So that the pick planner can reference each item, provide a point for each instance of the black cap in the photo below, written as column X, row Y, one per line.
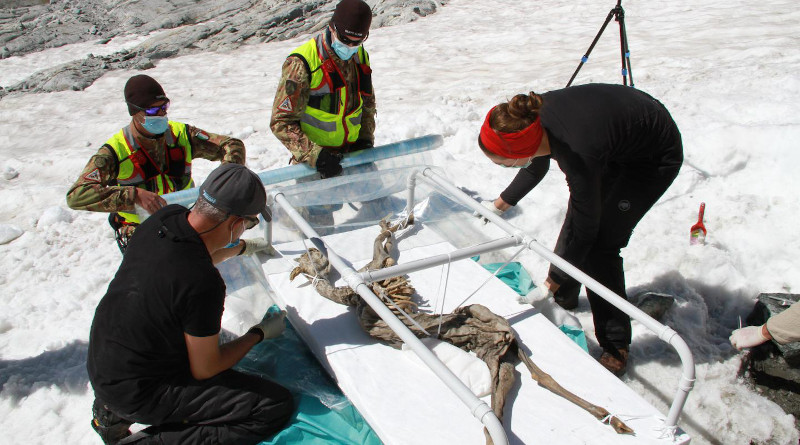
column 142, row 91
column 352, row 18
column 234, row 189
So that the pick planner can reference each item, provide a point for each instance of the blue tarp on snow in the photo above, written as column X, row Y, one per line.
column 323, row 415
column 517, row 278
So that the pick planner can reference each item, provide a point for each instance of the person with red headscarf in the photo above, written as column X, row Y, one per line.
column 620, row 150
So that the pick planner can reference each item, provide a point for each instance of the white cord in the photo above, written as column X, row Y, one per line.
column 492, row 276
column 444, row 295
column 314, row 280
column 310, row 260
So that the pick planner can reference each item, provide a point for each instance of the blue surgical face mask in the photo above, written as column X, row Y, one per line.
column 155, row 124
column 232, row 242
column 343, row 51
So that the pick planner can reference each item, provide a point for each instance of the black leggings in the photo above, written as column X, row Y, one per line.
column 229, row 408
column 629, row 191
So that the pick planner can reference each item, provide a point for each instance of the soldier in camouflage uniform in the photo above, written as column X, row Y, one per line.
column 324, row 106
column 148, row 158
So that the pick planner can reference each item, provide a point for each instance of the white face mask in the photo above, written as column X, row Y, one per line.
column 514, row 165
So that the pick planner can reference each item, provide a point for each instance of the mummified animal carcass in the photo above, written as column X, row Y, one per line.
column 472, row 328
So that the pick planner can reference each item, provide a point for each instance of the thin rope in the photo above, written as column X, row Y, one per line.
column 493, row 275
column 402, row 221
column 444, row 295
column 308, row 252
column 665, row 432
column 314, row 280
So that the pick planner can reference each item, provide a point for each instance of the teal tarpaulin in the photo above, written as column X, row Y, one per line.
column 323, row 415
column 517, row 278
column 514, row 276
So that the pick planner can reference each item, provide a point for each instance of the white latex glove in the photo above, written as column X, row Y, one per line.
column 489, row 204
column 538, row 294
column 256, row 245
column 747, row 337
column 542, row 298
column 557, row 314
column 271, row 326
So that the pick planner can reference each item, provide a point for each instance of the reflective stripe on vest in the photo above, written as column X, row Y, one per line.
column 137, row 169
column 324, row 120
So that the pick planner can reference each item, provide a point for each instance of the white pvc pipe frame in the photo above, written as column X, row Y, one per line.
column 477, row 407
column 665, row 333
column 358, row 282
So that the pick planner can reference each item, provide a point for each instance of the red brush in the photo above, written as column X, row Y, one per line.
column 697, row 234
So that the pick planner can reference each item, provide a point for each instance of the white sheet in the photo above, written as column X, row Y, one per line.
column 407, row 404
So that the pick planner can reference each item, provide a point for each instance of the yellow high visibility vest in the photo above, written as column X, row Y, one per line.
column 137, row 169
column 324, row 120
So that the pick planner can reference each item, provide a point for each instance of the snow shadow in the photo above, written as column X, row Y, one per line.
column 64, row 368
column 703, row 315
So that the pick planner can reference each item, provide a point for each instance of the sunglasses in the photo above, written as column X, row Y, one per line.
column 347, row 40
column 250, row 222
column 152, row 111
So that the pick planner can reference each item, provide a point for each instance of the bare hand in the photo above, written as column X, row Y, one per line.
column 149, row 201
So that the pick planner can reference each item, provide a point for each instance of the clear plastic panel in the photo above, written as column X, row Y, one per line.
column 349, row 203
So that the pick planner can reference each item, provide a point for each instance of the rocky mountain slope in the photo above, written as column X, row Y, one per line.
column 193, row 25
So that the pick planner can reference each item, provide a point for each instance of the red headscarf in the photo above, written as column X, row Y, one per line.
column 521, row 144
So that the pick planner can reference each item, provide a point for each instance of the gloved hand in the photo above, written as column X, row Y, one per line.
column 329, row 164
column 360, row 144
column 271, row 326
column 747, row 337
column 542, row 298
column 538, row 294
column 489, row 204
column 557, row 314
column 255, row 245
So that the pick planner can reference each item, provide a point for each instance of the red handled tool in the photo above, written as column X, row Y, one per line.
column 697, row 234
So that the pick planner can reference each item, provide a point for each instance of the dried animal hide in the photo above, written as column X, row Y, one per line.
column 472, row 328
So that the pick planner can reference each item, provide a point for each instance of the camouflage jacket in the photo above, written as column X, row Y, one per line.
column 96, row 189
column 294, row 86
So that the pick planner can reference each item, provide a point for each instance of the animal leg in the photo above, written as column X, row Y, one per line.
column 545, row 380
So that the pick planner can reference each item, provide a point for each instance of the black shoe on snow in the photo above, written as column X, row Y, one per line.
column 111, row 427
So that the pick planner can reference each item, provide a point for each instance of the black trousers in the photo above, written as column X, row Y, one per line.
column 628, row 192
column 229, row 408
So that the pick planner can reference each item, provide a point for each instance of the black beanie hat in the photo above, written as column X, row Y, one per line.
column 352, row 18
column 234, row 189
column 142, row 91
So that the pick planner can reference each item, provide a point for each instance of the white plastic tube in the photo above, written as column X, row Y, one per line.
column 297, row 171
column 665, row 333
column 477, row 407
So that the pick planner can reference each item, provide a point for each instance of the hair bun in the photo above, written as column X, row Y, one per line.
column 525, row 106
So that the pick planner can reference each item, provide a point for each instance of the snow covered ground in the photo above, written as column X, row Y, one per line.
column 726, row 69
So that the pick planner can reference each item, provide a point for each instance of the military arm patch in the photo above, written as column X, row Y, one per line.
column 286, row 105
column 202, row 135
column 92, row 176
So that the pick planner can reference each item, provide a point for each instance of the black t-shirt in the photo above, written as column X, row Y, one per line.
column 165, row 286
column 591, row 127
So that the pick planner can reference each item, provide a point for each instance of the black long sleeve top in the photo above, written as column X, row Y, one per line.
column 590, row 127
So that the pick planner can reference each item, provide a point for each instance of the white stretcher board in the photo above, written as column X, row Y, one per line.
column 405, row 403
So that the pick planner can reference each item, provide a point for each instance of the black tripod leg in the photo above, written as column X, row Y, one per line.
column 627, row 70
column 585, row 57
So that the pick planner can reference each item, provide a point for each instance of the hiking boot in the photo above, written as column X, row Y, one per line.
column 615, row 361
column 111, row 427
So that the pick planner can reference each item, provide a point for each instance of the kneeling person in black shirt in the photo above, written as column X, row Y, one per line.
column 154, row 351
